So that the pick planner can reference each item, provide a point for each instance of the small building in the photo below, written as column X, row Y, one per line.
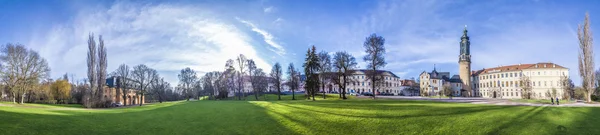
column 113, row 91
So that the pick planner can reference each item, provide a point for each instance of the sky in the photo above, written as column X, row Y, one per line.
column 203, row 34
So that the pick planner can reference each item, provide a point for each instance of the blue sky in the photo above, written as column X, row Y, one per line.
column 171, row 35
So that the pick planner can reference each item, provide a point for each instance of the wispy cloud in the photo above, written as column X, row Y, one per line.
column 165, row 37
column 269, row 9
column 268, row 38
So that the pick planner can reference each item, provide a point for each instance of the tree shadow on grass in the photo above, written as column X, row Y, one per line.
column 182, row 118
column 449, row 112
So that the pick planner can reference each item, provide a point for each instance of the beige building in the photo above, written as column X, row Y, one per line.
column 358, row 83
column 432, row 83
column 505, row 81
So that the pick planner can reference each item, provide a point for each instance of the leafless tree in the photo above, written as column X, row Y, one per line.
column 325, row 68
column 208, row 81
column 142, row 75
column 260, row 82
column 159, row 87
column 89, row 95
column 21, row 69
column 124, row 83
column 187, row 77
column 586, row 57
column 525, row 84
column 293, row 79
column 375, row 58
column 567, row 87
column 344, row 63
column 242, row 64
column 101, row 67
column 276, row 73
column 251, row 69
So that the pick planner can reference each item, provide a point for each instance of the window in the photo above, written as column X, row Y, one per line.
column 545, row 83
column 501, row 75
column 533, row 83
column 538, row 73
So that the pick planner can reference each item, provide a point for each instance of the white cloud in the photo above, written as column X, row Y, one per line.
column 268, row 38
column 269, row 9
column 165, row 37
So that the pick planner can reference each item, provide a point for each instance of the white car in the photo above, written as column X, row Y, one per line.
column 354, row 94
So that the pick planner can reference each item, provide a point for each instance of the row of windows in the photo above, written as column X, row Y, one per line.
column 507, row 75
column 515, row 84
column 386, row 84
column 363, row 77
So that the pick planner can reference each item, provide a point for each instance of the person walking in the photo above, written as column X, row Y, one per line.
column 557, row 101
column 552, row 100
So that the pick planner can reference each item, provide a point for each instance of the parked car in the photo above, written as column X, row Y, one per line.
column 354, row 94
column 367, row 94
column 116, row 104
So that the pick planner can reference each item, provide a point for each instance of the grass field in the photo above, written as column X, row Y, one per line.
column 332, row 116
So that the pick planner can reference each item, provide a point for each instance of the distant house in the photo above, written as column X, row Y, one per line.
column 113, row 91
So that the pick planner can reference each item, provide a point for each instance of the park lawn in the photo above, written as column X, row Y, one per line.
column 333, row 116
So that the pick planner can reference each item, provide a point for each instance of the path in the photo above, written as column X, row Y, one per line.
column 478, row 100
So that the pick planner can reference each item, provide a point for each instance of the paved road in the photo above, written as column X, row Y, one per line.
column 478, row 100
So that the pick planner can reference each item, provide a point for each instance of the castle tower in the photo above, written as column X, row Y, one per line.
column 464, row 63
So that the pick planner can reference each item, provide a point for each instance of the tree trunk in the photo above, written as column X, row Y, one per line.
column 313, row 93
column 278, row 94
column 22, row 98
column 323, row 88
column 256, row 95
column 142, row 98
column 293, row 95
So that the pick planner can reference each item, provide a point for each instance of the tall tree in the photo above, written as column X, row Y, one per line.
column 208, row 81
column 101, row 73
column 187, row 77
column 142, row 75
column 311, row 67
column 124, row 83
column 91, row 73
column 242, row 64
column 251, row 69
column 276, row 74
column 325, row 69
column 375, row 58
column 293, row 79
column 229, row 79
column 586, row 57
column 344, row 64
column 21, row 69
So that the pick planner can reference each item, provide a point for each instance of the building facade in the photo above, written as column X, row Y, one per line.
column 498, row 82
column 507, row 81
column 359, row 83
column 432, row 83
column 113, row 91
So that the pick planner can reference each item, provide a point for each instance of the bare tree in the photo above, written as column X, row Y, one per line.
column 159, row 88
column 123, row 81
column 325, row 69
column 525, row 84
column 276, row 74
column 91, row 73
column 101, row 73
column 567, row 87
column 586, row 57
column 260, row 82
column 187, row 77
column 142, row 75
column 344, row 63
column 229, row 78
column 21, row 69
column 375, row 58
column 252, row 68
column 293, row 79
column 242, row 62
column 447, row 90
column 209, row 83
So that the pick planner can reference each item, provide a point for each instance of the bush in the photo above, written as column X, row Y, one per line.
column 595, row 98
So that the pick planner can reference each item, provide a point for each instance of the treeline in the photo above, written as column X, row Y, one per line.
column 241, row 79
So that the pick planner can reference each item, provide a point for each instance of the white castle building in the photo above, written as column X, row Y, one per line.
column 498, row 82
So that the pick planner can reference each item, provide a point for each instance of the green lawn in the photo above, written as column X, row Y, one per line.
column 541, row 101
column 332, row 116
